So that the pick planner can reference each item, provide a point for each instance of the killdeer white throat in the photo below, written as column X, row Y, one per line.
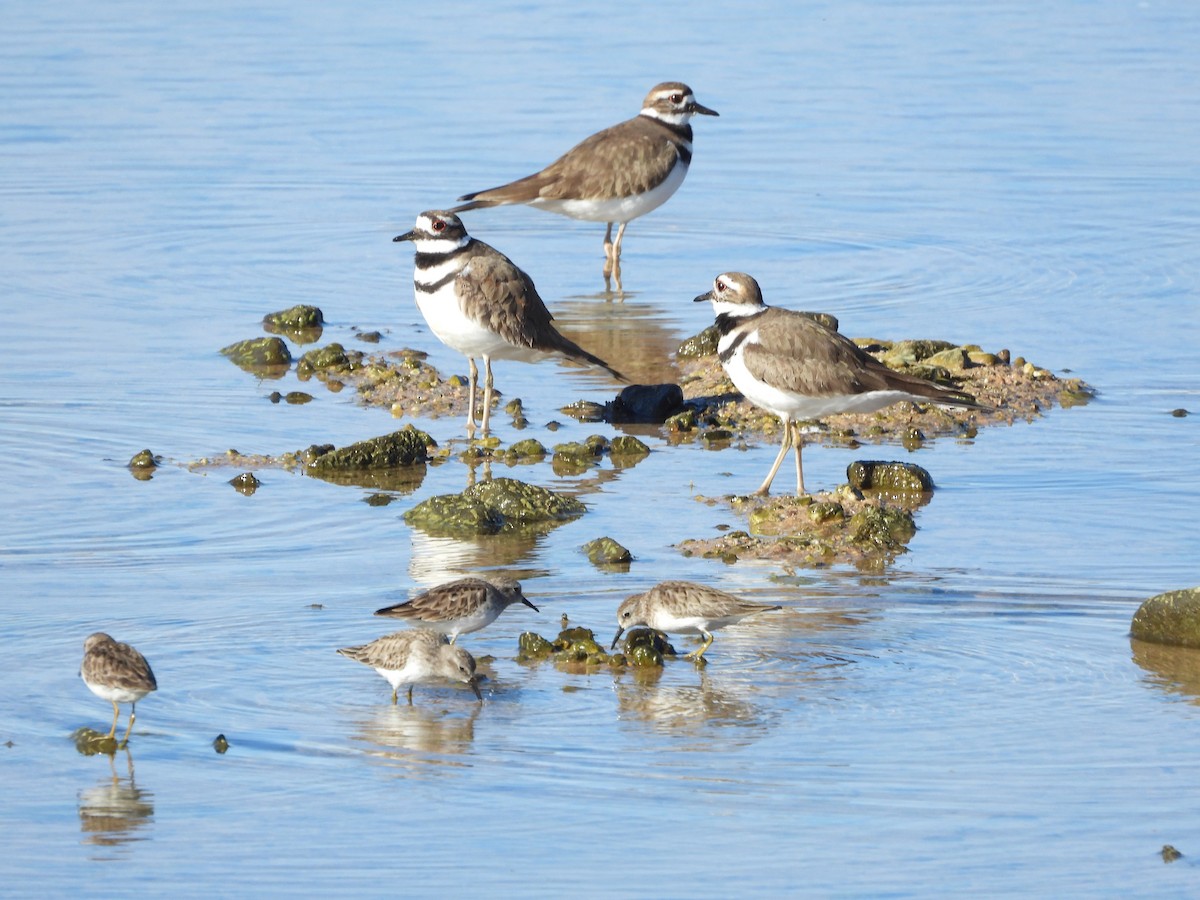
column 617, row 174
column 787, row 363
column 478, row 302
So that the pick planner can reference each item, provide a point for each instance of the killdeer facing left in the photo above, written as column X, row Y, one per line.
column 617, row 174
column 479, row 303
column 791, row 365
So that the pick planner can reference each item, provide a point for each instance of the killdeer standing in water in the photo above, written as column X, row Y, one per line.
column 617, row 174
column 789, row 364
column 479, row 303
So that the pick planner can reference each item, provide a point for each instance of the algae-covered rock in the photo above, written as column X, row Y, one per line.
column 523, row 503
column 531, row 646
column 702, row 344
column 579, row 645
column 330, row 357
column 405, row 447
column 605, row 551
column 144, row 461
column 528, row 449
column 646, row 648
column 268, row 357
column 883, row 528
column 454, row 514
column 302, row 323
column 501, row 504
column 877, row 475
column 627, row 448
column 246, row 483
column 681, row 422
column 1171, row 618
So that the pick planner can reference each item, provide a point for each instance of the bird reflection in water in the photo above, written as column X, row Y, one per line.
column 115, row 812
column 693, row 706
column 419, row 736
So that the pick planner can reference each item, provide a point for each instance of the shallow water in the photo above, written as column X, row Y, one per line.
column 973, row 719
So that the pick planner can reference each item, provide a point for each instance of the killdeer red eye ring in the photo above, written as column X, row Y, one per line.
column 439, row 225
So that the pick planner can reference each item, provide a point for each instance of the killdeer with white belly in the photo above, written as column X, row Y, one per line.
column 617, row 174
column 789, row 364
column 478, row 302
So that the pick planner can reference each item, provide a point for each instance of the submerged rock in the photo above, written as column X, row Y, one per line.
column 267, row 357
column 606, row 552
column 301, row 323
column 405, row 447
column 1171, row 618
column 143, row 461
column 246, row 483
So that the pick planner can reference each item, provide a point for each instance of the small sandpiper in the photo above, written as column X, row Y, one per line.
column 416, row 657
column 685, row 607
column 459, row 607
column 479, row 303
column 790, row 364
column 617, row 174
column 118, row 673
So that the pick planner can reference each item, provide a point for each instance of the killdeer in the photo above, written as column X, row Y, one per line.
column 479, row 303
column 617, row 174
column 684, row 607
column 791, row 365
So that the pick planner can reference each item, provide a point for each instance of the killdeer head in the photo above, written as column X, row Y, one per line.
column 735, row 294
column 673, row 102
column 436, row 231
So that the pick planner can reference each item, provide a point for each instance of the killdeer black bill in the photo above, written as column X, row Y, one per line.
column 617, row 174
column 477, row 301
column 791, row 365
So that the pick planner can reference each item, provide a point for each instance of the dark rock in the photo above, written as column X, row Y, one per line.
column 651, row 403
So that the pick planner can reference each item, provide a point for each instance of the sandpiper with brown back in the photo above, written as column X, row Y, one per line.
column 118, row 673
column 459, row 607
column 685, row 607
